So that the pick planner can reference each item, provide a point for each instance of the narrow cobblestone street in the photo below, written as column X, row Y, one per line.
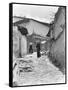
column 44, row 72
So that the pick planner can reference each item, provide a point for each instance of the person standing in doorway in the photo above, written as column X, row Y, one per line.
column 30, row 48
column 38, row 50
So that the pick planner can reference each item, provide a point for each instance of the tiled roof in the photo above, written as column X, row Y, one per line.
column 26, row 20
column 21, row 21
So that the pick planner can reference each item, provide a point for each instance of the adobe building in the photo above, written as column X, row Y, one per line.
column 30, row 31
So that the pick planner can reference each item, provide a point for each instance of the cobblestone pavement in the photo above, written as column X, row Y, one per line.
column 43, row 72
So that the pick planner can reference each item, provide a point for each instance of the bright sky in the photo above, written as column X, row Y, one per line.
column 41, row 13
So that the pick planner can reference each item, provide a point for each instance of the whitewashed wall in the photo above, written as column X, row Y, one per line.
column 15, row 42
column 23, row 45
column 38, row 28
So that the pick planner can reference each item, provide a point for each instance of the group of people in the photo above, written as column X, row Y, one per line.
column 37, row 48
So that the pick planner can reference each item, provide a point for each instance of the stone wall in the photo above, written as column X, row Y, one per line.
column 57, row 52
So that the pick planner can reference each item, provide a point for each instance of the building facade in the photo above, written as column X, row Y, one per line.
column 58, row 32
column 35, row 31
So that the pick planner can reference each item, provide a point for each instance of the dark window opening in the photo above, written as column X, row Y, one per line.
column 23, row 30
